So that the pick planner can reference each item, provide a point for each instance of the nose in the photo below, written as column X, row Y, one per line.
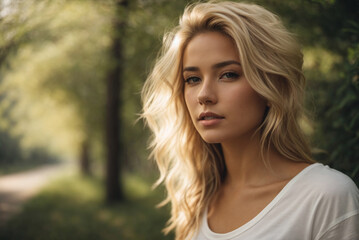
column 207, row 93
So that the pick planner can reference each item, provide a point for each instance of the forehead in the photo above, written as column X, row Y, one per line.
column 209, row 48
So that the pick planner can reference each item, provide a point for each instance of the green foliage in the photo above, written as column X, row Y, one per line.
column 147, row 22
column 337, row 97
column 54, row 58
column 14, row 159
column 341, row 125
column 72, row 208
column 52, row 85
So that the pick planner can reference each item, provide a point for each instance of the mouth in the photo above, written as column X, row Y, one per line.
column 209, row 116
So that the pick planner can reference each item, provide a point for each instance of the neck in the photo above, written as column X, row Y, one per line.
column 244, row 164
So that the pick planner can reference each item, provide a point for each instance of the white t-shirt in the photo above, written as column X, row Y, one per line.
column 319, row 203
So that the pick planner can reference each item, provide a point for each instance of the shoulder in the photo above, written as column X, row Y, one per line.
column 328, row 182
column 332, row 194
column 335, row 200
column 332, row 199
column 328, row 191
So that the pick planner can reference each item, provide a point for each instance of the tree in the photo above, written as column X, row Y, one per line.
column 53, row 63
column 114, row 147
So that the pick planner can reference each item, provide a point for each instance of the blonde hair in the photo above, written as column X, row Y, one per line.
column 192, row 169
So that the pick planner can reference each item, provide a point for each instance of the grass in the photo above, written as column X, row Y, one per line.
column 73, row 208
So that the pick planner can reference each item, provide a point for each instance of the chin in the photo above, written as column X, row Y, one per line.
column 211, row 139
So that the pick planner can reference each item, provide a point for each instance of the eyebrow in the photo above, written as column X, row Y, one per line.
column 215, row 66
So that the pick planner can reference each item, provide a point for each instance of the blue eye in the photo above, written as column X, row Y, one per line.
column 230, row 75
column 192, row 80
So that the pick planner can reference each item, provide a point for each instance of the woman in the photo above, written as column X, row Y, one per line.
column 223, row 102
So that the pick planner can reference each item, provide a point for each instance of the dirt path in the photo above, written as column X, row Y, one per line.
column 15, row 189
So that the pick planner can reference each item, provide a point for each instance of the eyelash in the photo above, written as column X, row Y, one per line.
column 233, row 75
column 188, row 80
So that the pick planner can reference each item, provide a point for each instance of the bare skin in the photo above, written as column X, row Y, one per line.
column 248, row 188
column 215, row 83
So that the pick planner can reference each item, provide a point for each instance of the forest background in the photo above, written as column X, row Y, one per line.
column 71, row 73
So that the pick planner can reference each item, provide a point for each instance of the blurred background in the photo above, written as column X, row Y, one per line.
column 73, row 159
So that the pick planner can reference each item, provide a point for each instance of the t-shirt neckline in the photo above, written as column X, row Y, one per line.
column 225, row 236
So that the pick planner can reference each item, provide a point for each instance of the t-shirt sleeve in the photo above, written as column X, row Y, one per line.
column 346, row 229
column 337, row 215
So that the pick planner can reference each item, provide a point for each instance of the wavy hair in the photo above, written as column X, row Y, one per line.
column 191, row 169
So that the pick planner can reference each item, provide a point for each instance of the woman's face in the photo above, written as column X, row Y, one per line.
column 221, row 103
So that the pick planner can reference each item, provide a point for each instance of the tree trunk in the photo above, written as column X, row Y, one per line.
column 85, row 162
column 114, row 147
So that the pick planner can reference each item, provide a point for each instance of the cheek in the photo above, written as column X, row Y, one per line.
column 249, row 102
column 256, row 106
column 188, row 98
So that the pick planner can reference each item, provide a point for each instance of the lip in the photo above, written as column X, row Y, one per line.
column 204, row 115
column 209, row 118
